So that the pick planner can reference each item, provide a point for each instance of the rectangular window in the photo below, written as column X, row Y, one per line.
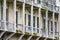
column 55, row 27
column 2, row 10
column 25, row 19
column 51, row 26
column 29, row 10
column 37, row 22
column 43, row 25
column 29, row 20
column 55, row 8
column 33, row 21
column 37, row 30
column 7, row 15
column 48, row 27
column 16, row 18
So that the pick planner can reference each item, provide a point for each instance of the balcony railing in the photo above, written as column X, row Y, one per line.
column 19, row 27
column 2, row 25
column 44, row 33
column 10, row 27
column 37, row 30
column 50, row 7
column 56, row 8
column 51, row 34
column 50, row 1
column 57, row 34
column 34, row 30
column 28, row 29
column 43, row 4
column 29, row 1
column 21, row 0
column 36, row 2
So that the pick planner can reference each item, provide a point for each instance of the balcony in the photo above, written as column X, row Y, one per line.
column 43, row 4
column 28, row 29
column 36, row 3
column 2, row 25
column 39, row 32
column 28, row 1
column 19, row 28
column 56, row 9
column 51, row 34
column 50, row 7
column 10, row 27
column 50, row 1
column 34, row 30
column 57, row 34
column 43, row 33
column 21, row 0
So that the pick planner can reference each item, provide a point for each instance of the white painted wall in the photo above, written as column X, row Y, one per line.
column 11, row 13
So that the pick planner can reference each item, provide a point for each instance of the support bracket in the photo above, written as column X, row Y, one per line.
column 38, row 38
column 29, row 37
column 10, row 36
column 2, row 34
column 20, row 37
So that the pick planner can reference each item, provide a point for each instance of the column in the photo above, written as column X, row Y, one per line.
column 32, row 17
column 36, row 23
column 0, row 9
column 46, row 23
column 53, row 24
column 23, row 17
column 59, row 23
column 14, row 15
column 40, row 21
column 4, row 13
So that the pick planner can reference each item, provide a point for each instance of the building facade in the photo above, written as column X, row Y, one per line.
column 29, row 20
